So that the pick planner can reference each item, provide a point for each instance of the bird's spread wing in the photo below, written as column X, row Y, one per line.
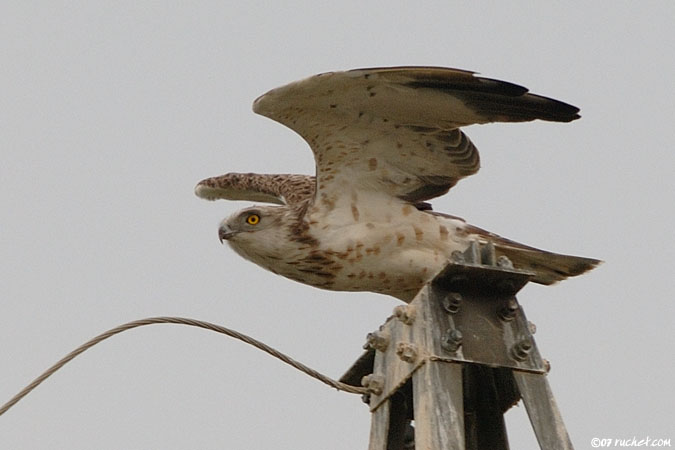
column 278, row 189
column 395, row 130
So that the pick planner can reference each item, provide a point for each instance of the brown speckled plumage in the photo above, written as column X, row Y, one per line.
column 278, row 188
column 384, row 141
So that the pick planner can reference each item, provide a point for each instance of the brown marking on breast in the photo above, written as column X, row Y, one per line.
column 300, row 233
column 443, row 231
column 387, row 239
column 356, row 258
column 327, row 202
column 382, row 275
column 399, row 239
column 418, row 233
column 362, row 274
column 372, row 163
column 355, row 213
column 406, row 210
column 370, row 225
column 317, row 271
column 344, row 255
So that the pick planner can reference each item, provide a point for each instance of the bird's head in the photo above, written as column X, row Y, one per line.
column 254, row 232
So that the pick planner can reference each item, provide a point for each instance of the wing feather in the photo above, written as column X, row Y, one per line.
column 395, row 130
column 281, row 189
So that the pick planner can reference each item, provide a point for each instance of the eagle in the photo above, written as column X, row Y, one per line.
column 385, row 141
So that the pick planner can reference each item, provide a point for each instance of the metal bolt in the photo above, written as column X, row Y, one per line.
column 504, row 262
column 405, row 313
column 379, row 340
column 374, row 383
column 472, row 253
column 452, row 340
column 451, row 302
column 547, row 365
column 521, row 349
column 457, row 257
column 532, row 327
column 488, row 254
column 509, row 311
column 407, row 352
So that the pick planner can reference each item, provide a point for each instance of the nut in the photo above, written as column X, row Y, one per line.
column 406, row 351
column 451, row 302
column 374, row 383
column 405, row 313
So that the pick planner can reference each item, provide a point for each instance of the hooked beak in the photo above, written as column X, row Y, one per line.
column 225, row 233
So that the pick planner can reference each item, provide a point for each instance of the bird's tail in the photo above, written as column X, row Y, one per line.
column 548, row 267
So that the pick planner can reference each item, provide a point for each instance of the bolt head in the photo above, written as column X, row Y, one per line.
column 532, row 327
column 378, row 340
column 458, row 257
column 406, row 351
column 451, row 302
column 522, row 349
column 405, row 313
column 452, row 340
column 504, row 262
column 509, row 311
column 374, row 383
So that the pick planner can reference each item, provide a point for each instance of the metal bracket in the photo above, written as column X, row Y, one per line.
column 455, row 359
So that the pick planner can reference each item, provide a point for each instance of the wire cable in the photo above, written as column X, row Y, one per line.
column 182, row 321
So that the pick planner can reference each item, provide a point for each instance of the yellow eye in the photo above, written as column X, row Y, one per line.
column 253, row 219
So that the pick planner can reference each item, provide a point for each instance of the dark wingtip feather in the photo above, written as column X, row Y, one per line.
column 498, row 100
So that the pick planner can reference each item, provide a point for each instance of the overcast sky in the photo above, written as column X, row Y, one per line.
column 110, row 112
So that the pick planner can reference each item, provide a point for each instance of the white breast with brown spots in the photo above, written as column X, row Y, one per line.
column 383, row 244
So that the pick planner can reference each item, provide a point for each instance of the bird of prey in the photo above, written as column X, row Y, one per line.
column 385, row 140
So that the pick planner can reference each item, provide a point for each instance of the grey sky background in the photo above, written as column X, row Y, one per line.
column 110, row 112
